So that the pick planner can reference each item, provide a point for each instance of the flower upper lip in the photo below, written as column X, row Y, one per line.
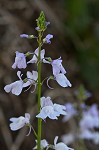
column 20, row 61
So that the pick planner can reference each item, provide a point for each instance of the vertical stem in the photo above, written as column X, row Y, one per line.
column 39, row 92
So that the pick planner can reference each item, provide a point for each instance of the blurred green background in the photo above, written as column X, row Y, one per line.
column 75, row 26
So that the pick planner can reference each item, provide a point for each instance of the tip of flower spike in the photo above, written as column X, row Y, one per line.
column 41, row 22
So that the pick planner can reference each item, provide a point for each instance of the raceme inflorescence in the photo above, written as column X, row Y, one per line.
column 46, row 108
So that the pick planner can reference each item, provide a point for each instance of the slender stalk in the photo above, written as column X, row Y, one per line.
column 39, row 91
column 34, row 131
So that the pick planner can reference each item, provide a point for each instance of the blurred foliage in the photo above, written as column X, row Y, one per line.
column 82, row 20
column 82, row 94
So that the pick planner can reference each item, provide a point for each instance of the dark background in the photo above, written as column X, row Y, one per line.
column 75, row 26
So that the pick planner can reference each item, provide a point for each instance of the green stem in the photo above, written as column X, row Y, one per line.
column 39, row 92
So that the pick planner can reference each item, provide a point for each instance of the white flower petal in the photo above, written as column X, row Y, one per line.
column 35, row 75
column 62, row 146
column 60, row 109
column 47, row 111
column 27, row 118
column 86, row 134
column 57, row 66
column 32, row 75
column 53, row 115
column 56, row 70
column 41, row 115
column 27, row 115
column 17, row 87
column 42, row 54
column 44, row 143
column 46, row 102
column 19, row 74
column 68, row 138
column 62, row 69
column 8, row 87
column 19, row 123
column 14, row 120
column 14, row 66
column 34, row 59
column 15, row 127
column 55, row 140
column 29, row 75
column 62, row 80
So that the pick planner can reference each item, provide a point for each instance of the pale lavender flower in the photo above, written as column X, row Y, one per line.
column 44, row 144
column 86, row 134
column 15, row 87
column 35, row 56
column 58, row 72
column 90, row 135
column 90, row 118
column 20, row 61
column 87, row 122
column 18, row 123
column 68, row 138
column 60, row 145
column 71, row 111
column 93, row 110
column 24, row 35
column 48, row 109
column 47, row 39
